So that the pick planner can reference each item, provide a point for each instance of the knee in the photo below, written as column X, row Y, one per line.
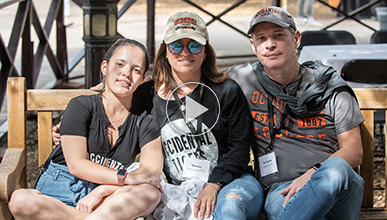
column 150, row 194
column 336, row 172
column 245, row 188
column 143, row 196
column 233, row 195
column 337, row 168
column 22, row 203
column 231, row 203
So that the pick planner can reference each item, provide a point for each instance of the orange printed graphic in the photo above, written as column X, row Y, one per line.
column 311, row 122
column 186, row 20
column 260, row 116
column 261, row 98
column 267, row 10
column 258, row 97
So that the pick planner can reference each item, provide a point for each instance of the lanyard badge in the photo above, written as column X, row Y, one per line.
column 196, row 168
column 268, row 164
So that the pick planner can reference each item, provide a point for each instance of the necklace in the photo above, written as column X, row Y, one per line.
column 190, row 92
column 119, row 119
column 182, row 106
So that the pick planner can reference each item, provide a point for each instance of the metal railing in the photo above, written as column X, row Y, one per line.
column 31, row 62
column 26, row 23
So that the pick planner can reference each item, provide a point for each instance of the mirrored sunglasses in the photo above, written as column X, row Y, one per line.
column 176, row 47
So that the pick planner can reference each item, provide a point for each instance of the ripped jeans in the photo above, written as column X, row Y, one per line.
column 57, row 182
column 249, row 204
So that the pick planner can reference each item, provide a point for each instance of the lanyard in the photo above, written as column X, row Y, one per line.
column 191, row 127
column 274, row 130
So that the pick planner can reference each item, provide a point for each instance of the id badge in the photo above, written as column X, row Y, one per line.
column 196, row 168
column 268, row 164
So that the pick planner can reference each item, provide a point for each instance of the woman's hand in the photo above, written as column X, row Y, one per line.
column 137, row 179
column 89, row 203
column 205, row 203
column 95, row 198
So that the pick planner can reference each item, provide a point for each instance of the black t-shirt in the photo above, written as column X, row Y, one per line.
column 85, row 116
column 226, row 145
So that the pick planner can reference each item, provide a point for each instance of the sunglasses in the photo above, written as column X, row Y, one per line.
column 176, row 47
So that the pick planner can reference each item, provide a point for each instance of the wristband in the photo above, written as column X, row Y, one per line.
column 316, row 166
column 121, row 175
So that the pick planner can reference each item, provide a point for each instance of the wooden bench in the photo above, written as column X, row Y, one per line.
column 369, row 100
column 13, row 173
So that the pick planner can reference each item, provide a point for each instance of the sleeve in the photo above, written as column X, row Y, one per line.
column 76, row 118
column 346, row 111
column 149, row 129
column 234, row 161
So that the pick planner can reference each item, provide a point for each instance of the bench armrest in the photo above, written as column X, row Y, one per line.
column 11, row 168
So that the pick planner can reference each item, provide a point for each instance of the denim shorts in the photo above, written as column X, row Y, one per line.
column 57, row 182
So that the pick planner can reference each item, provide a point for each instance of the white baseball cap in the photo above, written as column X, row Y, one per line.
column 185, row 25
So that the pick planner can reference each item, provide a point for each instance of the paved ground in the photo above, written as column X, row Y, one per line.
column 133, row 25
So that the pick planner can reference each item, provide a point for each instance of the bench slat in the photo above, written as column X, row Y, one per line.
column 45, row 144
column 52, row 100
column 367, row 166
column 372, row 98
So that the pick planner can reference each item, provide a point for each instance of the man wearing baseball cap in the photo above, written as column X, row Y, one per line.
column 306, row 126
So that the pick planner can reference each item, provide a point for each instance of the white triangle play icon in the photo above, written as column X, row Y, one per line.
column 193, row 109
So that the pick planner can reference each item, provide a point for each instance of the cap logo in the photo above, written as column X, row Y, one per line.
column 185, row 23
column 266, row 10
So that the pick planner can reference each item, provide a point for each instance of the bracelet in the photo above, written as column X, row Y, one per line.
column 217, row 187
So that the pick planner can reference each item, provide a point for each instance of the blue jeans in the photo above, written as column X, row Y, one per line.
column 57, row 182
column 335, row 191
column 248, row 207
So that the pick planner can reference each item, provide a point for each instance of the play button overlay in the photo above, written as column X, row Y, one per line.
column 192, row 109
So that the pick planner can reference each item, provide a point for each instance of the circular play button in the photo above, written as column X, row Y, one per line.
column 193, row 110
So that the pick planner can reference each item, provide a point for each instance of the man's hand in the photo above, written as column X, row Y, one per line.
column 205, row 203
column 97, row 88
column 296, row 185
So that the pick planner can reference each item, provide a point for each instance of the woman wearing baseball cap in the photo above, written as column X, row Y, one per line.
column 206, row 128
column 218, row 140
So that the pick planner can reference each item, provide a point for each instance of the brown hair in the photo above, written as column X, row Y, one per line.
column 120, row 43
column 162, row 72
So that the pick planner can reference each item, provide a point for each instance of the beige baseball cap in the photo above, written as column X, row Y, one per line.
column 185, row 25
